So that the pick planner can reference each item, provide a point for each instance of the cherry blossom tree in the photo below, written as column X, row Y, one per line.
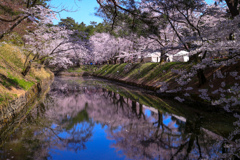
column 198, row 27
column 35, row 11
column 56, row 45
column 107, row 47
column 201, row 29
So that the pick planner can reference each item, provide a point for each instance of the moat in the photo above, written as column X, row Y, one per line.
column 89, row 118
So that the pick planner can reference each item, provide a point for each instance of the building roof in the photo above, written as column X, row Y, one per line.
column 153, row 54
column 182, row 53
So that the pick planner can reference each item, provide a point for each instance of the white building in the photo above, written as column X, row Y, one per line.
column 151, row 57
column 182, row 56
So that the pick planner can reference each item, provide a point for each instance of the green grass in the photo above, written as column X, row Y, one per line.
column 89, row 68
column 163, row 70
column 12, row 83
column 20, row 82
column 126, row 70
column 144, row 72
column 11, row 55
column 1, row 99
column 112, row 69
column 78, row 70
column 4, row 97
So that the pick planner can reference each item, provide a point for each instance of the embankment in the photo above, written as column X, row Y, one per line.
column 76, row 72
column 152, row 76
column 16, row 90
column 72, row 74
column 145, row 75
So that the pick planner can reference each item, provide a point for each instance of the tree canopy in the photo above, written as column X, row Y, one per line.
column 70, row 23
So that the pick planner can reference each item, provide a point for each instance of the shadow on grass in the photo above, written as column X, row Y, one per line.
column 8, row 82
column 143, row 72
column 162, row 69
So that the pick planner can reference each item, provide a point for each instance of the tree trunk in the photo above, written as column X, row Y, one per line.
column 201, row 77
column 140, row 111
column 134, row 107
column 163, row 56
column 233, row 7
column 162, row 59
column 159, row 123
column 121, row 60
column 194, row 58
column 27, row 69
column 121, row 101
column 26, row 59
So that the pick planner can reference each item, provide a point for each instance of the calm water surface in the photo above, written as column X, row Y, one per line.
column 95, row 119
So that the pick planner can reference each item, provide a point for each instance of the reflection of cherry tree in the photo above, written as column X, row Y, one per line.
column 69, row 116
column 148, row 137
column 139, row 132
column 54, row 125
column 65, row 120
column 148, row 140
column 142, row 136
column 57, row 132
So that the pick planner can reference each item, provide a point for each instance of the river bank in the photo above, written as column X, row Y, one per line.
column 16, row 90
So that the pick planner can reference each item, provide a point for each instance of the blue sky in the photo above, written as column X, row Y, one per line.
column 209, row 1
column 85, row 9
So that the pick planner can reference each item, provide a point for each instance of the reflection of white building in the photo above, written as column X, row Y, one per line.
column 151, row 57
column 182, row 56
column 156, row 111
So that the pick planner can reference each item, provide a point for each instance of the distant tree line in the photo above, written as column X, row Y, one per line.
column 94, row 27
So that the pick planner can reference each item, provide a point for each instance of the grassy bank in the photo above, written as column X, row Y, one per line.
column 143, row 74
column 12, row 83
column 153, row 75
column 83, row 70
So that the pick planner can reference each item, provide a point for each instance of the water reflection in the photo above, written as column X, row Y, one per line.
column 94, row 119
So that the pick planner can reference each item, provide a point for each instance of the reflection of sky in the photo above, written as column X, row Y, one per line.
column 98, row 147
column 166, row 118
column 147, row 113
column 53, row 126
